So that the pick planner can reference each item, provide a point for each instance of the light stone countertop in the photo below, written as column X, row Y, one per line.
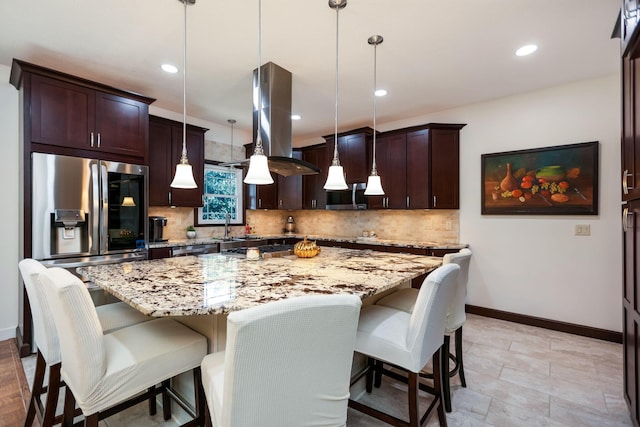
column 216, row 283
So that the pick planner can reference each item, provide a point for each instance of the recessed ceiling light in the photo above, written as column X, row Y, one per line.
column 526, row 50
column 295, row 117
column 169, row 68
column 380, row 92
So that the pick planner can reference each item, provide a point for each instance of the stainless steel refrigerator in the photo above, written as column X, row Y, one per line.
column 87, row 211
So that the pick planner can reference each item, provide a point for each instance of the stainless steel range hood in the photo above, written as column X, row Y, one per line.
column 276, row 122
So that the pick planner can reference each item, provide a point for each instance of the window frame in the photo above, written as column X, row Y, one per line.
column 240, row 219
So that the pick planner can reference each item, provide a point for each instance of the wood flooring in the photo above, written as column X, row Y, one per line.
column 14, row 389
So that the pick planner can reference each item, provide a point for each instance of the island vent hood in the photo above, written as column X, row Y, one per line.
column 276, row 122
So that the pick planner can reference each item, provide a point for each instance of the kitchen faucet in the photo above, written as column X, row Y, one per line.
column 227, row 217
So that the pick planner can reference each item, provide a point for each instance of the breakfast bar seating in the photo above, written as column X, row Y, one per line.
column 111, row 317
column 107, row 373
column 287, row 364
column 405, row 300
column 407, row 341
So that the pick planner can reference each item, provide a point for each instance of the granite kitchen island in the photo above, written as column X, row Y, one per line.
column 200, row 290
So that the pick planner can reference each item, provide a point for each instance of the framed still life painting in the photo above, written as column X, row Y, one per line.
column 559, row 180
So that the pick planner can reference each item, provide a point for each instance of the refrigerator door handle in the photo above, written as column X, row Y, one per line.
column 94, row 216
column 104, row 208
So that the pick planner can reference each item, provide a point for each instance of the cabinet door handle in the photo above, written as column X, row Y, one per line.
column 625, row 181
column 625, row 219
column 435, row 201
column 280, row 202
column 91, row 139
column 169, row 193
column 259, row 203
column 408, row 201
column 98, row 139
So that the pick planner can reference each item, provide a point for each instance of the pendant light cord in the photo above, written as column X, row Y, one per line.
column 183, row 159
column 336, row 160
column 374, row 170
column 258, row 148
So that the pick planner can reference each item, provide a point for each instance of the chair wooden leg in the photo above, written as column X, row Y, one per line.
column 153, row 407
column 438, row 375
column 91, row 420
column 52, row 396
column 414, row 416
column 166, row 400
column 458, row 339
column 444, row 367
column 201, row 402
column 69, row 408
column 377, row 382
column 36, row 389
column 370, row 370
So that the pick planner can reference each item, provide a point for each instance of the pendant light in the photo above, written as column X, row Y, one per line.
column 184, row 172
column 258, row 172
column 374, row 186
column 335, row 177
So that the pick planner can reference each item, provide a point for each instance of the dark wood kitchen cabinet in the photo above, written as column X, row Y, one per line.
column 353, row 152
column 630, row 191
column 290, row 188
column 419, row 167
column 81, row 117
column 391, row 163
column 630, row 306
column 165, row 151
column 313, row 194
column 433, row 167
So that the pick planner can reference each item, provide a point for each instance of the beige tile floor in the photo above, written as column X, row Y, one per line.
column 516, row 375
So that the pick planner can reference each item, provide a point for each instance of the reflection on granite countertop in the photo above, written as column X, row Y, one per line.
column 361, row 240
column 216, row 283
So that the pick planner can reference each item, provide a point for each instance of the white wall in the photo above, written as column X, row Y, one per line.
column 535, row 265
column 9, row 212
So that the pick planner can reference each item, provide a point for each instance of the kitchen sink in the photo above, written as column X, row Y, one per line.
column 240, row 242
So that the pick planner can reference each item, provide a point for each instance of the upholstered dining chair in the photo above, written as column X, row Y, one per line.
column 106, row 373
column 407, row 341
column 404, row 299
column 286, row 364
column 111, row 316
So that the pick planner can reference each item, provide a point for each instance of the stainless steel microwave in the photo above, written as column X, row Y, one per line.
column 350, row 199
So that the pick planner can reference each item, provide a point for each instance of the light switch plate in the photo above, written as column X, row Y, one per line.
column 583, row 230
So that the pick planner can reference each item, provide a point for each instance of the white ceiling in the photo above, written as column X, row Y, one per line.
column 437, row 54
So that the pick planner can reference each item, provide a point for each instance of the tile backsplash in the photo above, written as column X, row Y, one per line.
column 441, row 226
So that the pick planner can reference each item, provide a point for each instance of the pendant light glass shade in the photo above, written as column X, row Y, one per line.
column 335, row 177
column 184, row 177
column 374, row 185
column 184, row 172
column 258, row 172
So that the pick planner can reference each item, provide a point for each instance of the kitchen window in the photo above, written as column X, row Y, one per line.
column 222, row 195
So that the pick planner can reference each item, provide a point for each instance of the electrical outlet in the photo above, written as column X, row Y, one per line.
column 583, row 230
column 448, row 225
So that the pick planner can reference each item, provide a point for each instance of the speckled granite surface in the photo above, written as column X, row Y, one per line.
column 363, row 240
column 215, row 283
